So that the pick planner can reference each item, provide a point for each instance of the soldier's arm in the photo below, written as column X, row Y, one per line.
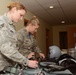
column 35, row 47
column 19, row 38
column 8, row 47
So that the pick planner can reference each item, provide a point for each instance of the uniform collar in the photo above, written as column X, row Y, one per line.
column 28, row 33
column 8, row 20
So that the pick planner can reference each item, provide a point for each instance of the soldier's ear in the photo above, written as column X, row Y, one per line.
column 30, row 24
column 14, row 9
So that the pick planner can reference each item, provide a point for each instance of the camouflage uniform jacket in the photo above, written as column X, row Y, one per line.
column 8, row 42
column 27, row 42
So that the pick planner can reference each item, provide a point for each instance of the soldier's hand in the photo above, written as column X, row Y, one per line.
column 32, row 63
column 31, row 54
column 41, row 55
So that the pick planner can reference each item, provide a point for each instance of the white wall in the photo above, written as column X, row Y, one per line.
column 3, row 6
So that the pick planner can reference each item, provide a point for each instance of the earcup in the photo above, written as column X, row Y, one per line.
column 67, row 61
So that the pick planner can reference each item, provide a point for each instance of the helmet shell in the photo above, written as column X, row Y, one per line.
column 54, row 51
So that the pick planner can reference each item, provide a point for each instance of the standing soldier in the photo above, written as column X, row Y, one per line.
column 8, row 42
column 27, row 42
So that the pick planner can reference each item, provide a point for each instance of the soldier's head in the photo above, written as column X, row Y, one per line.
column 33, row 25
column 16, row 11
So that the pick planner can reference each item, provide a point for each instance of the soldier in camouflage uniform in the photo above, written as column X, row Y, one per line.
column 8, row 42
column 27, row 42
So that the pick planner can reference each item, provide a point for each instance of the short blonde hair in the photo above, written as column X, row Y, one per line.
column 17, row 5
column 34, row 21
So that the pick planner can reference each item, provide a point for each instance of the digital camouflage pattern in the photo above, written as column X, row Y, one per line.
column 8, row 44
column 27, row 42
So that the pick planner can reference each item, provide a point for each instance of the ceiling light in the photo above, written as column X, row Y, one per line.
column 51, row 7
column 62, row 21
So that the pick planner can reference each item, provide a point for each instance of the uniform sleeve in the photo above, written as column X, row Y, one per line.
column 36, row 48
column 20, row 39
column 24, row 51
column 8, row 47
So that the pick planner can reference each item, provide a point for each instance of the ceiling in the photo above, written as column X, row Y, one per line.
column 64, row 10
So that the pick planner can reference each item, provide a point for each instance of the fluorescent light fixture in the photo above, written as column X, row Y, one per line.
column 51, row 7
column 62, row 21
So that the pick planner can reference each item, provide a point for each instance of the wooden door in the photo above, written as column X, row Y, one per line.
column 47, row 41
column 71, row 37
column 63, row 40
